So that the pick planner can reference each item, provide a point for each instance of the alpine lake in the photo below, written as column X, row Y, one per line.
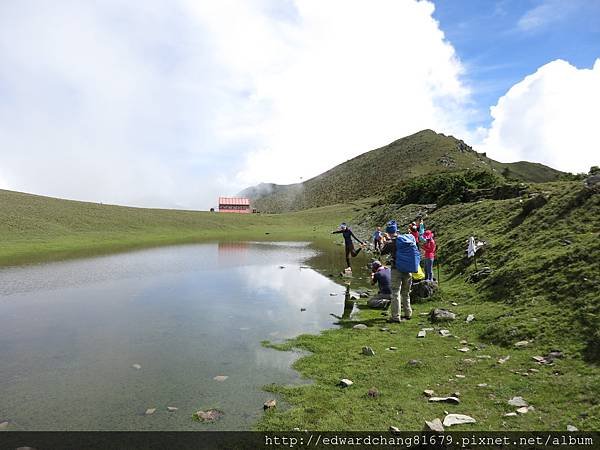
column 98, row 343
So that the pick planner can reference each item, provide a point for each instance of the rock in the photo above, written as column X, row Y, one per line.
column 269, row 404
column 354, row 296
column 523, row 410
column 392, row 348
column 457, row 419
column 302, row 309
column 453, row 400
column 518, row 402
column 554, row 354
column 522, row 344
column 469, row 361
column 368, row 351
column 220, row 378
column 333, row 294
column 475, row 277
column 373, row 392
column 455, row 394
column 428, row 393
column 150, row 411
column 414, row 362
column 533, row 370
column 539, row 359
column 454, row 304
column 344, row 382
column 360, row 326
column 592, row 182
column 483, row 357
column 384, row 329
column 435, row 425
column 482, row 385
column 463, row 342
column 441, row 315
column 4, row 425
column 464, row 349
column 445, row 333
column 172, row 408
column 136, row 366
column 511, row 414
column 421, row 334
column 211, row 415
column 571, row 428
column 394, row 430
column 470, row 318
column 428, row 329
column 503, row 360
column 364, row 295
column 459, row 376
column 423, row 289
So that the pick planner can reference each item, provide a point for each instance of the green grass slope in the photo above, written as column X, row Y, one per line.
column 425, row 152
column 36, row 228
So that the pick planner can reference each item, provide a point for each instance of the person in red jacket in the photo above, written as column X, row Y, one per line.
column 429, row 249
column 414, row 230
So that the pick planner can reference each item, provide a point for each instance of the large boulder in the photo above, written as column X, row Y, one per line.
column 423, row 289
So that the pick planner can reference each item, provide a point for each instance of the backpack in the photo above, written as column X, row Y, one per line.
column 407, row 254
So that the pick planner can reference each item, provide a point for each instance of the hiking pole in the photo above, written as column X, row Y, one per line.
column 438, row 271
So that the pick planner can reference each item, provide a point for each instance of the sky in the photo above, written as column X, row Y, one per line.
column 171, row 103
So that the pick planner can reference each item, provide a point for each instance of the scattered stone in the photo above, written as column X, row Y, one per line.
column 470, row 318
column 360, row 326
column 269, row 404
column 482, row 385
column 571, row 428
column 4, row 425
column 428, row 329
column 373, row 392
column 435, row 425
column 533, row 370
column 456, row 394
column 392, row 348
column 302, row 309
column 445, row 333
column 503, row 360
column 368, row 351
column 457, row 419
column 469, row 361
column 483, row 357
column 172, row 408
column 459, row 376
column 364, row 295
column 523, row 410
column 422, row 334
column 453, row 400
column 136, row 366
column 212, row 415
column 511, row 414
column 522, row 344
column 518, row 402
column 220, row 378
column 441, row 315
column 150, row 411
column 555, row 354
column 344, row 382
column 394, row 430
column 428, row 392
column 464, row 349
column 354, row 296
column 463, row 342
column 384, row 329
column 295, row 429
column 454, row 304
column 414, row 362
column 540, row 359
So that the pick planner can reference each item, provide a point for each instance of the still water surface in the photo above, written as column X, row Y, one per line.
column 71, row 331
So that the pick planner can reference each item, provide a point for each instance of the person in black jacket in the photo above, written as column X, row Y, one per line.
column 349, row 245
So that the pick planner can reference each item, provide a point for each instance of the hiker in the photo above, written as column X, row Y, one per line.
column 421, row 227
column 383, row 277
column 377, row 239
column 429, row 249
column 349, row 245
column 405, row 261
column 413, row 229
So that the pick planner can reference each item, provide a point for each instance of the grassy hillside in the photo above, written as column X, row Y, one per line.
column 366, row 175
column 35, row 228
column 543, row 288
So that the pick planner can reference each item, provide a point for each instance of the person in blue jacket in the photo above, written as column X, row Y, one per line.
column 348, row 244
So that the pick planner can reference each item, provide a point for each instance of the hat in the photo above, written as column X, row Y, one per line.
column 391, row 227
column 428, row 234
column 375, row 265
column 343, row 225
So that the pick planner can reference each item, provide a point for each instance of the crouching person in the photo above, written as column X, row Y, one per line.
column 383, row 277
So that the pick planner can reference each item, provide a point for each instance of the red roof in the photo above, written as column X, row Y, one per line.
column 234, row 201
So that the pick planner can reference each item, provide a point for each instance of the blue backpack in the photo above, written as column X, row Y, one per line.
column 407, row 254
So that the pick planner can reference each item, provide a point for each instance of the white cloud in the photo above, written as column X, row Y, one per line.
column 163, row 103
column 548, row 12
column 551, row 117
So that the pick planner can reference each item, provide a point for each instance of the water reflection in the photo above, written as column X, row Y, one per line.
column 71, row 331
